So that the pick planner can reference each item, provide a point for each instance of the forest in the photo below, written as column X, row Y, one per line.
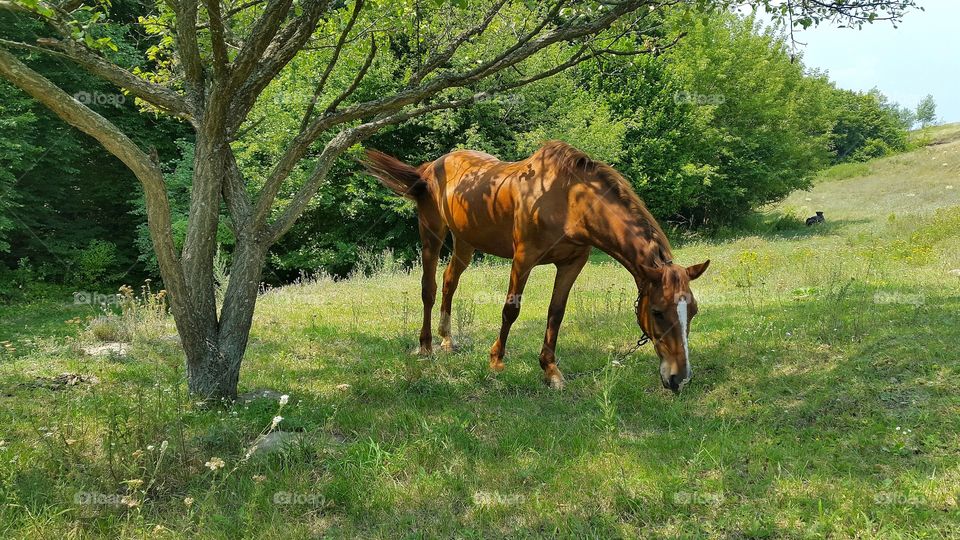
column 722, row 118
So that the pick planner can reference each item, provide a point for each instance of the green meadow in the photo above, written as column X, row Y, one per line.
column 825, row 400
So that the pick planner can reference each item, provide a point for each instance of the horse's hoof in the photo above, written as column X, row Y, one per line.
column 448, row 346
column 554, row 379
column 497, row 365
column 422, row 351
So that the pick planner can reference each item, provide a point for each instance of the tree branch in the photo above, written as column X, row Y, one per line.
column 287, row 43
column 451, row 49
column 93, row 62
column 159, row 96
column 263, row 31
column 357, row 6
column 356, row 80
column 117, row 143
column 189, row 49
column 217, row 40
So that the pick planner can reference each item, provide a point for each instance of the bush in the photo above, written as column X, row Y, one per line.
column 95, row 262
column 107, row 328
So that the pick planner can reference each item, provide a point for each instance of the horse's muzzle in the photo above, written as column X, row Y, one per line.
column 676, row 382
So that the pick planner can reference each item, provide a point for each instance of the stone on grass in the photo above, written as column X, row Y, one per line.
column 277, row 441
column 260, row 393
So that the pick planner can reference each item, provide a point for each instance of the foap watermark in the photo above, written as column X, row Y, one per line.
column 899, row 499
column 914, row 299
column 95, row 498
column 99, row 98
column 293, row 498
column 698, row 99
column 495, row 498
column 496, row 298
column 88, row 298
column 697, row 497
column 503, row 99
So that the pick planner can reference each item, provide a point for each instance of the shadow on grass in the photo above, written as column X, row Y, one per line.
column 788, row 428
column 794, row 403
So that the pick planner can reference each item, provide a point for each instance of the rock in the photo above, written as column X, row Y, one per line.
column 277, row 441
column 109, row 348
column 260, row 393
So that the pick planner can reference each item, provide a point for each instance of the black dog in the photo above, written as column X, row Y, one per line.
column 816, row 219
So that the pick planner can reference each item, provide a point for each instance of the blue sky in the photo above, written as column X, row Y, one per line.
column 920, row 57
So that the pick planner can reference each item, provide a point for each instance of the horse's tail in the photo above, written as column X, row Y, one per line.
column 401, row 178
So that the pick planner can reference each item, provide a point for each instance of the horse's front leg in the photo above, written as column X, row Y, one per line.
column 511, row 308
column 566, row 275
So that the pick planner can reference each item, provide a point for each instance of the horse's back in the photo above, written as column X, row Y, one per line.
column 491, row 204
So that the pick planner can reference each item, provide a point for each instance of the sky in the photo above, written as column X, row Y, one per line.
column 920, row 57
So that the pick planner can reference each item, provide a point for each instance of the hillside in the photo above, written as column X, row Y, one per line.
column 825, row 402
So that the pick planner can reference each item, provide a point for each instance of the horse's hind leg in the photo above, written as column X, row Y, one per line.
column 567, row 273
column 459, row 260
column 431, row 234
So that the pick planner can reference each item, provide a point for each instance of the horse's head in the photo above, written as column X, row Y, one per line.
column 665, row 308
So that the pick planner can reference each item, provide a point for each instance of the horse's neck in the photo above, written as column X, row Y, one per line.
column 629, row 238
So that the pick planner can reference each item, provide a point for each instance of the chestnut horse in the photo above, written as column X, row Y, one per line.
column 550, row 208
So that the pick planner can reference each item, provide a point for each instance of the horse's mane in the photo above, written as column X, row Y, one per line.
column 578, row 163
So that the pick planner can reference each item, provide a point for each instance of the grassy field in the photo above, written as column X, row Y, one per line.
column 825, row 402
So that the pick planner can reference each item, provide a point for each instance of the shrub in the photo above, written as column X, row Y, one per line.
column 94, row 262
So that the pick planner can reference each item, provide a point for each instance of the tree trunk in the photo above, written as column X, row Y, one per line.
column 214, row 342
column 214, row 348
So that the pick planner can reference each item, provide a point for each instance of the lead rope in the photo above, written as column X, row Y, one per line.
column 644, row 339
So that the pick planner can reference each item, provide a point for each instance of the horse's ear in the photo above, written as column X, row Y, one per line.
column 695, row 271
column 652, row 274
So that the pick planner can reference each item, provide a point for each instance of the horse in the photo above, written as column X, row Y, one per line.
column 550, row 208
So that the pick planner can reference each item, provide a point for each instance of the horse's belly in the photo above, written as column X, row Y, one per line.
column 493, row 240
column 488, row 232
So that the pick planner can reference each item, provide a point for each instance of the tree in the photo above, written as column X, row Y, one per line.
column 867, row 125
column 926, row 111
column 215, row 63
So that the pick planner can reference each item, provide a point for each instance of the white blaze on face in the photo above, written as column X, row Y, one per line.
column 682, row 315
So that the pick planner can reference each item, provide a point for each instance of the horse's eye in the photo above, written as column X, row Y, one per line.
column 658, row 315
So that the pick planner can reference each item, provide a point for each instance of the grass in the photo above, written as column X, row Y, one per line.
column 825, row 403
column 934, row 135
